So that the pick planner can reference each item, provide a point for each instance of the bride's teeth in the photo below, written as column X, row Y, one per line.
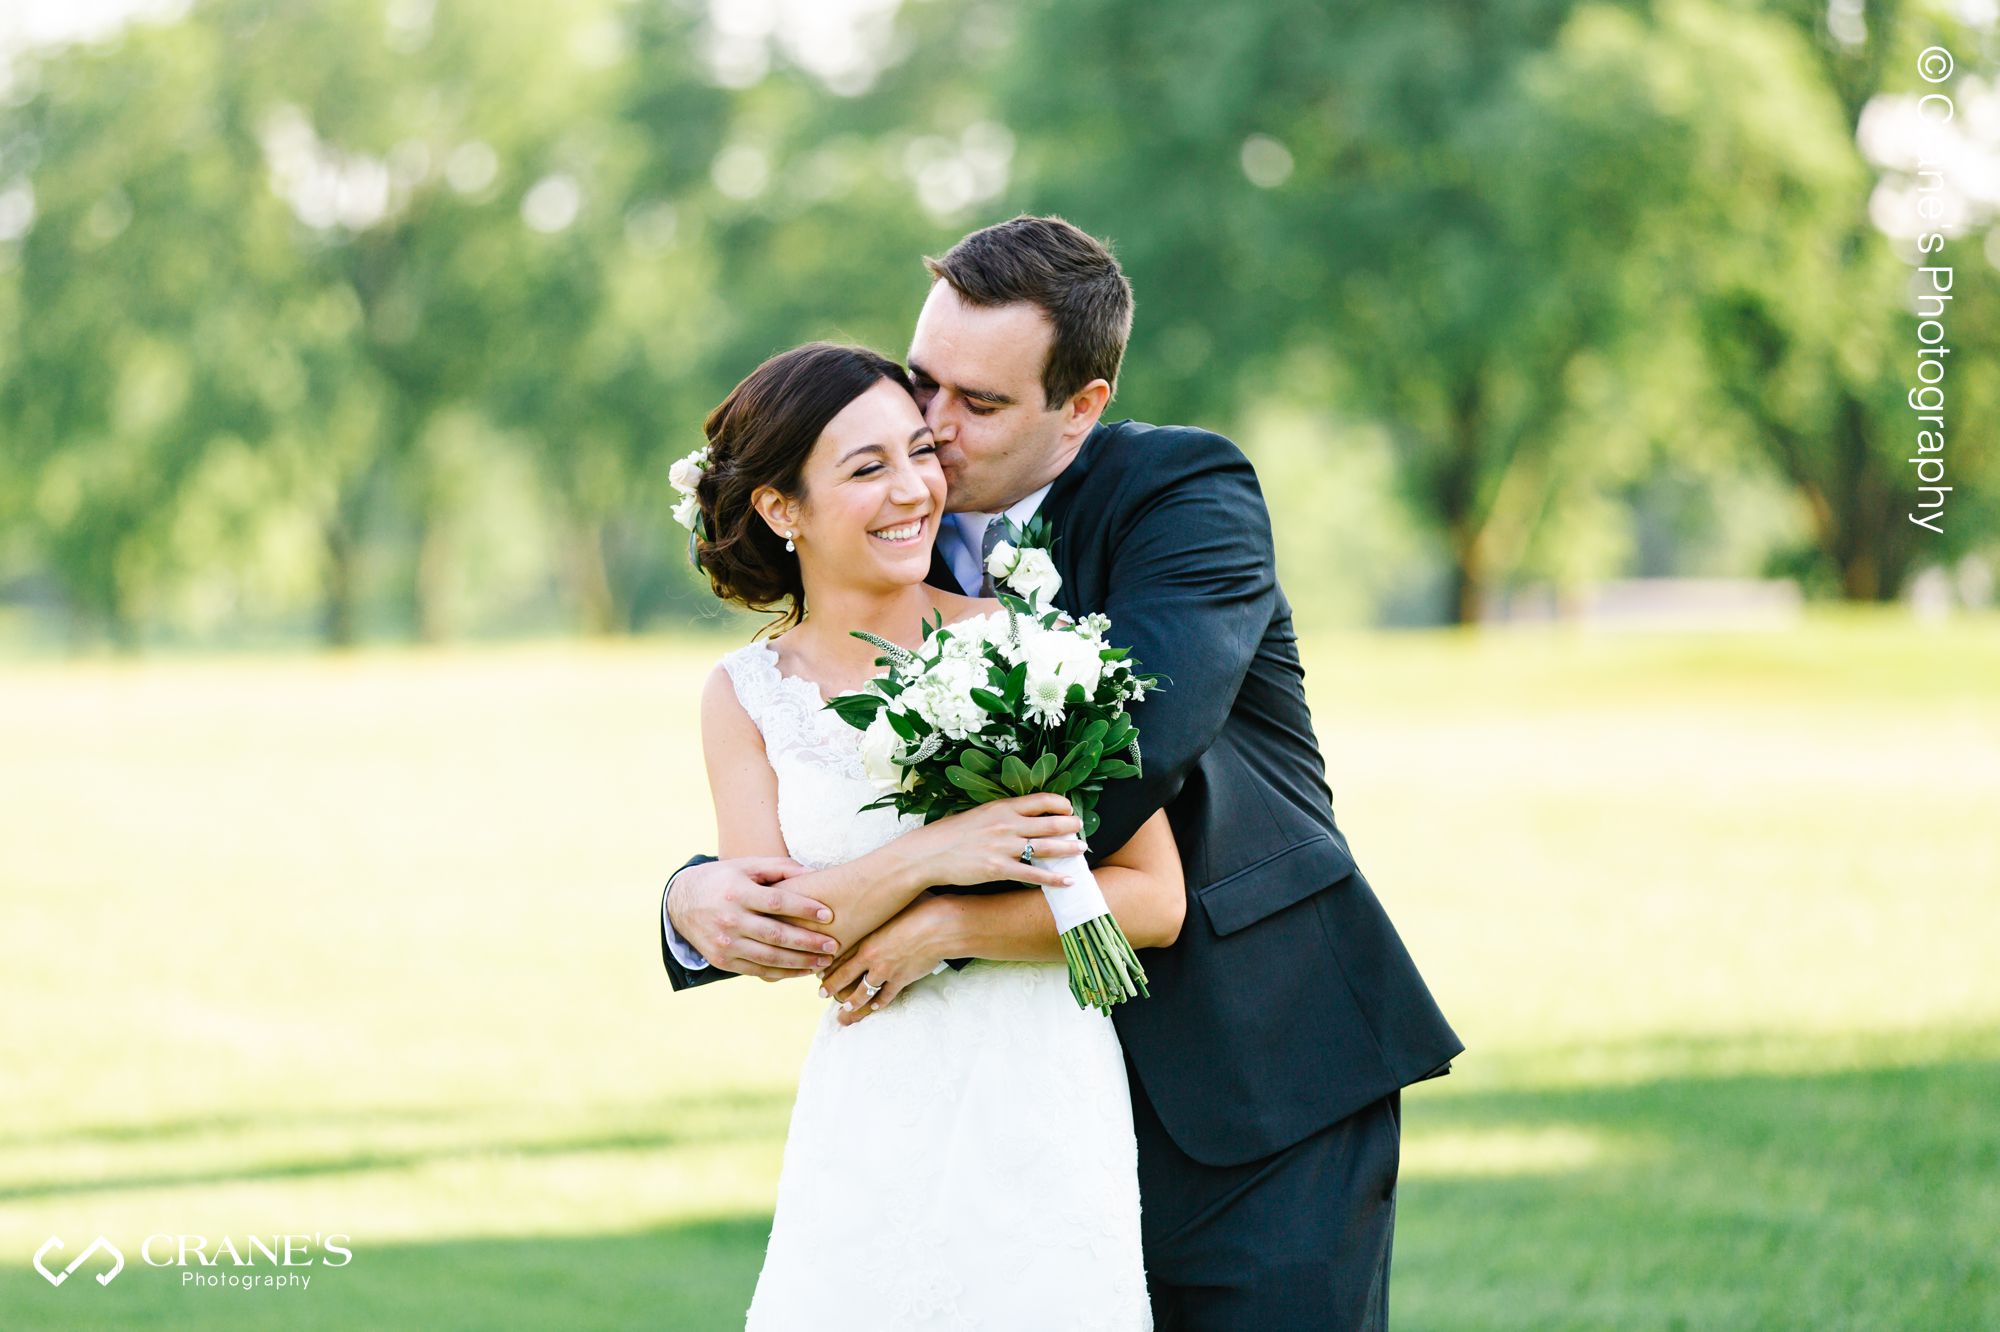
column 907, row 532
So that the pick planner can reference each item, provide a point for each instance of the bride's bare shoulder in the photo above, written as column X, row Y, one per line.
column 724, row 716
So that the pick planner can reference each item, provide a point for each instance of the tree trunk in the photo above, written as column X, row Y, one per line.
column 1456, row 496
column 1467, row 583
column 431, row 594
column 590, row 580
column 338, row 618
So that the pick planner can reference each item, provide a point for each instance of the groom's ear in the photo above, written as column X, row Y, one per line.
column 1084, row 408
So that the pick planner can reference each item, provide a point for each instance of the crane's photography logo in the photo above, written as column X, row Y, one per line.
column 225, row 1262
column 57, row 1278
column 1937, row 204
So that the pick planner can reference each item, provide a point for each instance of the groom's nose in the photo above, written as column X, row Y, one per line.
column 943, row 427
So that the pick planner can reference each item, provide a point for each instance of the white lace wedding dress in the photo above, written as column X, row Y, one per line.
column 962, row 1159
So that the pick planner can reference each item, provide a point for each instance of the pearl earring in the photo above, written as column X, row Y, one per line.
column 788, row 540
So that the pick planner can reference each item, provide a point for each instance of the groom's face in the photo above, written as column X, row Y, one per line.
column 978, row 374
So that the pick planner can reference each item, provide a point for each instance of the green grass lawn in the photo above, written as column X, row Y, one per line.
column 364, row 946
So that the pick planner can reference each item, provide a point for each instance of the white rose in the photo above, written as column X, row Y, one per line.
column 1058, row 659
column 685, row 474
column 688, row 512
column 879, row 747
column 1035, row 575
column 1000, row 562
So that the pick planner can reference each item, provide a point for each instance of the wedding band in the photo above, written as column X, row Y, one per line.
column 1027, row 853
column 873, row 990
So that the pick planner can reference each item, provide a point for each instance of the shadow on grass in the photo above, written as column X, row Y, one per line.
column 1862, row 1198
column 685, row 1124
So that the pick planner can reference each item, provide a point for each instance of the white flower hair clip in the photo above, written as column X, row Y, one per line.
column 685, row 476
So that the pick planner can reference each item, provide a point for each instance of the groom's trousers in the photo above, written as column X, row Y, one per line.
column 1296, row 1242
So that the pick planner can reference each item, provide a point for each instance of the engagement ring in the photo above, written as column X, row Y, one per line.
column 1027, row 853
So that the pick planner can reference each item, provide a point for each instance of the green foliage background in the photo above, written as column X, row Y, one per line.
column 344, row 321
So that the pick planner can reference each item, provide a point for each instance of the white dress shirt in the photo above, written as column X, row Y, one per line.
column 966, row 533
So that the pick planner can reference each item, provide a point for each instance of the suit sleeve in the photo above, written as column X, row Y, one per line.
column 684, row 977
column 1192, row 589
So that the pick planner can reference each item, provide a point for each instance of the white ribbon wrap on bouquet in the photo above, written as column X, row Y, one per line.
column 1078, row 903
column 1071, row 906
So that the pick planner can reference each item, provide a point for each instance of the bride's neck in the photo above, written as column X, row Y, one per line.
column 834, row 615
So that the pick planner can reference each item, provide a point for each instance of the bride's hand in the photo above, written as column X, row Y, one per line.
column 984, row 845
column 903, row 949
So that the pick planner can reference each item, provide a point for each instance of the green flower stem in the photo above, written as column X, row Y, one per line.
column 1103, row 968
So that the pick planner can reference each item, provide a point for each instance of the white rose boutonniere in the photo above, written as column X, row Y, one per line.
column 1023, row 563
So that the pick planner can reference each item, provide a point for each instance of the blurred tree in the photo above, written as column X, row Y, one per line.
column 446, row 172
column 137, row 348
column 310, row 277
column 1446, row 218
column 1807, row 314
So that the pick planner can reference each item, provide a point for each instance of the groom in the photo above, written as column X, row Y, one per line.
column 1266, row 1069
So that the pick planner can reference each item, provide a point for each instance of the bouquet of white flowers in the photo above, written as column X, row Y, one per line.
column 1007, row 704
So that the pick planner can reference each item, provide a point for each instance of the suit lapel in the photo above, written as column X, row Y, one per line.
column 941, row 575
column 1055, row 510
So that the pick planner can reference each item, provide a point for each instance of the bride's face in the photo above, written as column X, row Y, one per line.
column 873, row 494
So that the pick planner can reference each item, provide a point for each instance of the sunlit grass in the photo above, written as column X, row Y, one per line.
column 364, row 946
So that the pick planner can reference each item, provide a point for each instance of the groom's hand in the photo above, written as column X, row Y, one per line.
column 735, row 913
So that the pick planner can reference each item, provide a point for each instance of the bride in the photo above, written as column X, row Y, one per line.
column 964, row 1157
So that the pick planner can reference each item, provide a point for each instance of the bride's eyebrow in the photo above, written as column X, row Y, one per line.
column 877, row 449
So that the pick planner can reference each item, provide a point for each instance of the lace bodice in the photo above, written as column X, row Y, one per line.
column 817, row 756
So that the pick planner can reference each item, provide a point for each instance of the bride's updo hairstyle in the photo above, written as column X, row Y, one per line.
column 761, row 435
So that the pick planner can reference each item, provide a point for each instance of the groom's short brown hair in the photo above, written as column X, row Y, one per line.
column 1068, row 274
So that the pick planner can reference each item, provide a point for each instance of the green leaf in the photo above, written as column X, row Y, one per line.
column 904, row 724
column 1018, row 777
column 980, row 761
column 1115, row 768
column 1082, row 761
column 857, row 710
column 1044, row 768
column 989, row 700
column 973, row 784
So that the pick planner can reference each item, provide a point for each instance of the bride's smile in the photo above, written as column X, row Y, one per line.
column 902, row 535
